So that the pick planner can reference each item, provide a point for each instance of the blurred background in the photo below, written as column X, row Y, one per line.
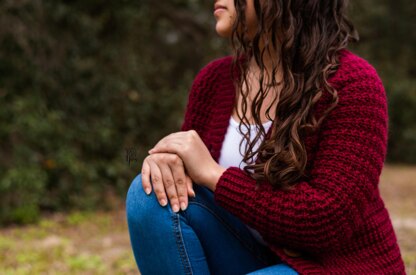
column 86, row 87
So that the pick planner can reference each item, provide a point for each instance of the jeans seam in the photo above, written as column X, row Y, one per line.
column 181, row 245
column 230, row 229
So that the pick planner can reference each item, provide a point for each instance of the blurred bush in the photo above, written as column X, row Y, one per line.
column 388, row 41
column 83, row 83
column 402, row 112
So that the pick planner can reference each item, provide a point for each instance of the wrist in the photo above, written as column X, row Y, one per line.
column 215, row 176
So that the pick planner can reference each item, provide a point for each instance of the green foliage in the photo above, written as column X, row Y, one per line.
column 24, row 186
column 402, row 111
column 82, row 81
column 388, row 41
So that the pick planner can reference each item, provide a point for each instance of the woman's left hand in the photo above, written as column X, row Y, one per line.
column 199, row 164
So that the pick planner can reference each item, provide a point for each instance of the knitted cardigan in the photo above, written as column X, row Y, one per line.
column 334, row 221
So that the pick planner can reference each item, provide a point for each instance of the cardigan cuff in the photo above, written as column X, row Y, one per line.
column 233, row 189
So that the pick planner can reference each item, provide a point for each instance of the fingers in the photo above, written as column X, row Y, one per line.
column 157, row 182
column 189, row 186
column 170, row 187
column 178, row 172
column 167, row 147
column 172, row 143
column 147, row 187
column 169, row 180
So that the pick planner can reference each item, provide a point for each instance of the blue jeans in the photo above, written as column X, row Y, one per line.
column 203, row 239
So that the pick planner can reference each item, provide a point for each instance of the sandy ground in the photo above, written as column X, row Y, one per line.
column 98, row 243
column 398, row 189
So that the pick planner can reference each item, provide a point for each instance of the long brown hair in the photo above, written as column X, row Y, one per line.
column 308, row 34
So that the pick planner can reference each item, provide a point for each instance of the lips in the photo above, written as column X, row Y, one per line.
column 219, row 7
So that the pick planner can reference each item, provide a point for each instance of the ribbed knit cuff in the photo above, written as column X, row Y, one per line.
column 234, row 190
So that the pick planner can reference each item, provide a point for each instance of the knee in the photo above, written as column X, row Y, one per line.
column 138, row 203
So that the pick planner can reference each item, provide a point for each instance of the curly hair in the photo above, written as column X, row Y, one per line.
column 307, row 35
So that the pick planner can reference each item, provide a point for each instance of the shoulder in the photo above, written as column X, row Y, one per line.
column 361, row 94
column 219, row 63
column 349, row 60
column 206, row 81
column 202, row 93
column 355, row 72
column 214, row 69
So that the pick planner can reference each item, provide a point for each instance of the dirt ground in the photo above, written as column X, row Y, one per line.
column 398, row 189
column 98, row 243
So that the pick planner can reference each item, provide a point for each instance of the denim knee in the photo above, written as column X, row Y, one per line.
column 139, row 205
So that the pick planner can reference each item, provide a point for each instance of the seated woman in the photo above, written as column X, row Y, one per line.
column 277, row 165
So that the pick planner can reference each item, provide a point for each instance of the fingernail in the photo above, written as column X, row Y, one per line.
column 175, row 208
column 163, row 202
column 183, row 206
column 193, row 194
column 147, row 190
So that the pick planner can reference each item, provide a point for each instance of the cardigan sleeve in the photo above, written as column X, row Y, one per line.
column 322, row 213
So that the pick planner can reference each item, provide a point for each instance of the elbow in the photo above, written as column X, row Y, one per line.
column 335, row 227
column 327, row 228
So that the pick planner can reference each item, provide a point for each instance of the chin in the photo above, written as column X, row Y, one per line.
column 223, row 31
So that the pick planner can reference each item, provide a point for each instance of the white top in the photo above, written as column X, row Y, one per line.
column 230, row 151
column 231, row 155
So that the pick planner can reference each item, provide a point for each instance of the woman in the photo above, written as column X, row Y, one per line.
column 280, row 153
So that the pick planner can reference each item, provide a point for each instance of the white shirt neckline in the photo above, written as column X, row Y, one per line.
column 235, row 123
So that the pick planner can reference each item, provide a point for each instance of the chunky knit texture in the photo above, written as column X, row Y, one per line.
column 334, row 221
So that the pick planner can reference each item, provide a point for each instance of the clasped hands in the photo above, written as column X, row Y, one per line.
column 174, row 163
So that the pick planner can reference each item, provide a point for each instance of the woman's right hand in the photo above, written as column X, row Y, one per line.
column 166, row 172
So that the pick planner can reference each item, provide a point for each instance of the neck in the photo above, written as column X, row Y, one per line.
column 271, row 60
column 269, row 65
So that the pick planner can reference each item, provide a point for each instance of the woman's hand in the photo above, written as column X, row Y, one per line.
column 169, row 179
column 199, row 164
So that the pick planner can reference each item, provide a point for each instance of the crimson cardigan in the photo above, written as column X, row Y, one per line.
column 334, row 221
